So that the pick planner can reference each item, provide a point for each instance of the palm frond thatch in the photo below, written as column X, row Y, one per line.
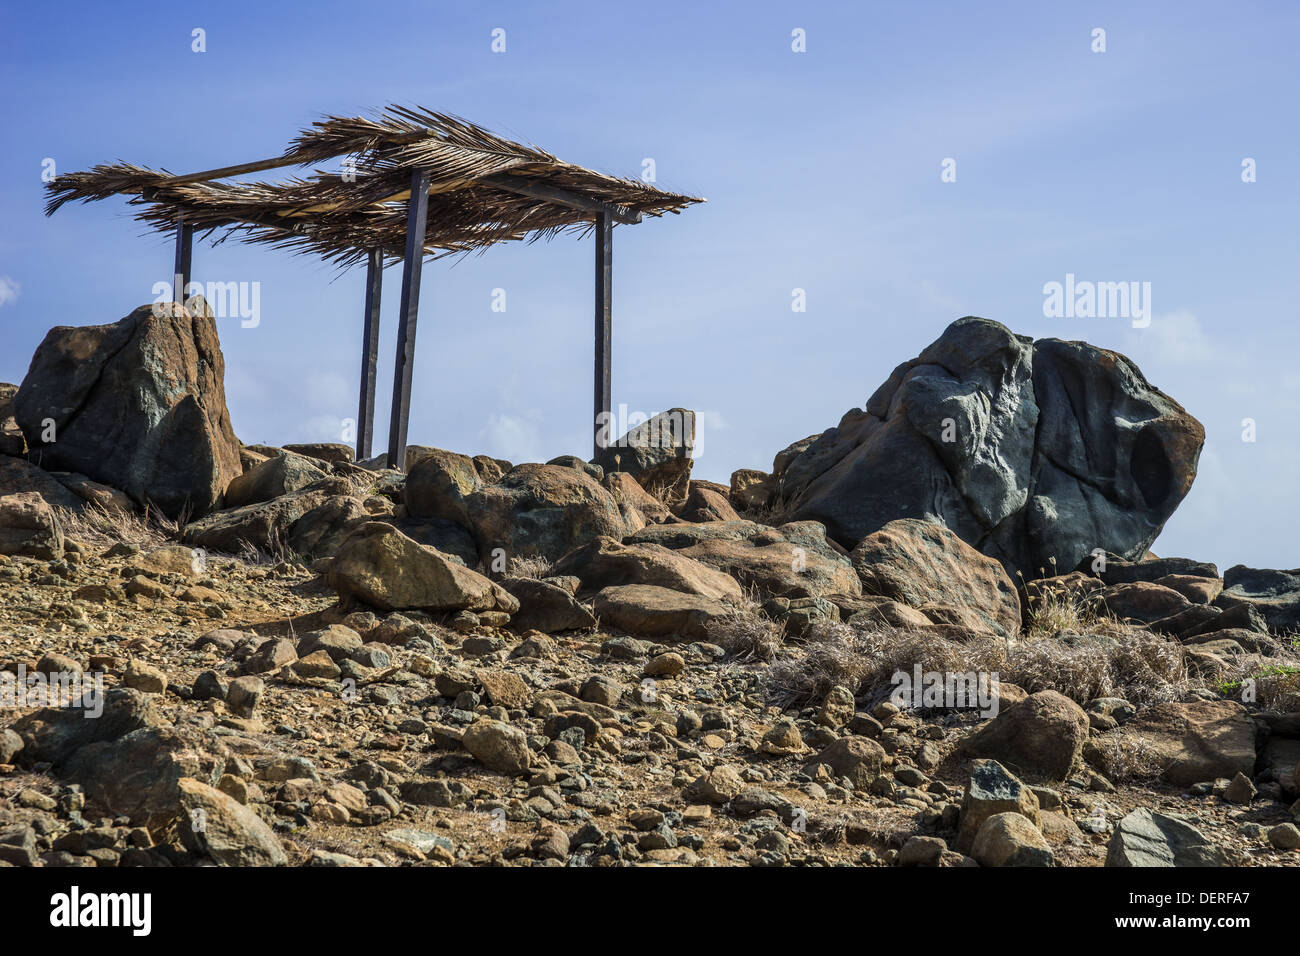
column 341, row 218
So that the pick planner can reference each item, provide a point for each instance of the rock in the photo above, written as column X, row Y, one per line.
column 438, row 485
column 704, row 503
column 326, row 451
column 783, row 740
column 266, row 525
column 498, row 746
column 336, row 640
column 651, row 611
column 18, row 476
column 505, row 689
column 752, row 490
column 921, row 851
column 668, row 664
column 281, row 475
column 992, row 790
column 1029, row 451
column 606, row 562
column 29, row 526
column 795, row 560
column 136, row 775
column 857, row 758
column 54, row 734
column 316, row 664
column 1194, row 741
column 10, row 744
column 270, row 656
column 1284, row 836
column 545, row 607
column 144, row 678
column 922, row 563
column 1275, row 595
column 656, row 452
column 1009, row 839
column 216, row 826
column 1043, row 736
column 1144, row 838
column 139, row 405
column 11, row 436
column 1142, row 602
column 718, row 785
column 542, row 510
column 382, row 567
column 244, row 694
column 627, row 491
column 441, row 534
column 322, row 530
column 1240, row 790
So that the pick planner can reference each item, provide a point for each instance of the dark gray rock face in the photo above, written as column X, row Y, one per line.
column 138, row 405
column 1275, row 595
column 1029, row 451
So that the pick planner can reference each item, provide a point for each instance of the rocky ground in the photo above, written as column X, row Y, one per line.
column 608, row 663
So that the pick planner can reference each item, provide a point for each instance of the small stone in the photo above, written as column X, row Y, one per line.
column 664, row 665
column 144, row 678
column 498, row 746
column 1285, row 836
column 1240, row 790
column 244, row 694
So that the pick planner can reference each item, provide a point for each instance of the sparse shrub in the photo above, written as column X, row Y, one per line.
column 532, row 567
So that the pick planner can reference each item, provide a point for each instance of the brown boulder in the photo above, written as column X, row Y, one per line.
column 28, row 526
column 1042, row 736
column 650, row 611
column 606, row 561
column 542, row 510
column 385, row 569
column 921, row 562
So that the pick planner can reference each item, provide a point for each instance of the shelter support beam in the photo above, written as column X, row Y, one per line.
column 184, row 255
column 369, row 355
column 604, row 330
column 408, row 314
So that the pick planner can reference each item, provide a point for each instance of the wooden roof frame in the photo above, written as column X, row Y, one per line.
column 424, row 185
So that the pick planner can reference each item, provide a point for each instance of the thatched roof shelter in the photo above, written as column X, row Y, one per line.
column 471, row 189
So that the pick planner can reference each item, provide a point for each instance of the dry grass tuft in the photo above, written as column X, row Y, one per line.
column 1131, row 663
column 534, row 567
column 95, row 524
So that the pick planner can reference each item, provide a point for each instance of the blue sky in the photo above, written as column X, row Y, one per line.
column 822, row 171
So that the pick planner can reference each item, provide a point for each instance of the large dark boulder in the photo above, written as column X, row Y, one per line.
column 1035, row 453
column 139, row 405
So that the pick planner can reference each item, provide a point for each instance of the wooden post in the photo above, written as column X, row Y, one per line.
column 369, row 355
column 604, row 328
column 416, row 221
column 181, row 270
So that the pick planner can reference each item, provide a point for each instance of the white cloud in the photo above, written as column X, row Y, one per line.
column 9, row 289
column 1176, row 338
column 514, row 437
